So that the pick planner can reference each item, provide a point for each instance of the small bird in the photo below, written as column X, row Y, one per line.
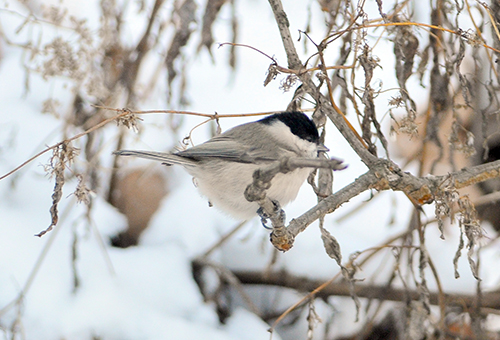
column 223, row 166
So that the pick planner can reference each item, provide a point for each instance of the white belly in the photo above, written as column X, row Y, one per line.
column 226, row 191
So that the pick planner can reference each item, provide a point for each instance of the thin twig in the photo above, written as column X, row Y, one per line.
column 66, row 141
column 418, row 24
column 123, row 113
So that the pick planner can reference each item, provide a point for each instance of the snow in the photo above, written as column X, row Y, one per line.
column 147, row 292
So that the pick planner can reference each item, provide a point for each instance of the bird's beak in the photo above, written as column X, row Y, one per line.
column 322, row 148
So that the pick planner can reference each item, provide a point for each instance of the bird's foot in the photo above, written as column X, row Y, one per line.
column 277, row 214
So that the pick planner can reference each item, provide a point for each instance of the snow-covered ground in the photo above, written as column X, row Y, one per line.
column 147, row 291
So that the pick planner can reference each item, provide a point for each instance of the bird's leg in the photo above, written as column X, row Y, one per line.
column 277, row 214
column 263, row 218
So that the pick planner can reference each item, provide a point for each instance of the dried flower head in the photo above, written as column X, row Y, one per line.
column 55, row 14
column 408, row 126
column 272, row 73
column 82, row 192
column 288, row 82
column 129, row 120
column 61, row 60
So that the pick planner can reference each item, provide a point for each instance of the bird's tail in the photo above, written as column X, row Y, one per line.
column 164, row 157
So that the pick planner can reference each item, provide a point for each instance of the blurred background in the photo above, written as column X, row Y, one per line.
column 128, row 249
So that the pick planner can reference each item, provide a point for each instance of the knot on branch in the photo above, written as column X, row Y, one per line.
column 282, row 239
column 391, row 177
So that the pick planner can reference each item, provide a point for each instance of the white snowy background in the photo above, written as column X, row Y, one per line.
column 147, row 291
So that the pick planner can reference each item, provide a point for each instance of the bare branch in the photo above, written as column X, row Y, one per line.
column 284, row 28
column 262, row 178
column 304, row 284
column 385, row 175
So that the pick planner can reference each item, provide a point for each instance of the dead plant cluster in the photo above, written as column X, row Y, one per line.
column 449, row 137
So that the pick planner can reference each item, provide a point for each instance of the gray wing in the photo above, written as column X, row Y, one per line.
column 239, row 144
column 164, row 157
column 228, row 148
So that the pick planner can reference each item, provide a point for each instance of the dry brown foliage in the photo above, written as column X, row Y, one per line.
column 453, row 132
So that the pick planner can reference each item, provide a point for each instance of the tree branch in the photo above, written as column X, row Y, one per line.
column 382, row 174
column 323, row 103
column 331, row 203
column 304, row 284
column 283, row 26
column 385, row 175
column 256, row 192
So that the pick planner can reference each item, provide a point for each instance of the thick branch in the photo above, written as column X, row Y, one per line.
column 303, row 284
column 477, row 174
column 332, row 202
column 283, row 25
column 382, row 174
column 385, row 175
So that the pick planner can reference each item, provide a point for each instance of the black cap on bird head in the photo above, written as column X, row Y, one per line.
column 299, row 124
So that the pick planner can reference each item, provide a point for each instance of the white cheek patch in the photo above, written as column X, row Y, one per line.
column 282, row 133
column 309, row 149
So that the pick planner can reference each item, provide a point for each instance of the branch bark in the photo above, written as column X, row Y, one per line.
column 304, row 284
column 382, row 174
column 283, row 26
column 385, row 175
column 322, row 101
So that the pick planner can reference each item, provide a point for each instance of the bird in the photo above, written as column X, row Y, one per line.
column 223, row 166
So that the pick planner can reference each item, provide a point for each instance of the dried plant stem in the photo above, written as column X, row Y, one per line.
column 320, row 287
column 229, row 277
column 287, row 70
column 418, row 24
column 223, row 239
column 94, row 128
column 332, row 101
column 212, row 116
column 123, row 113
column 480, row 35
